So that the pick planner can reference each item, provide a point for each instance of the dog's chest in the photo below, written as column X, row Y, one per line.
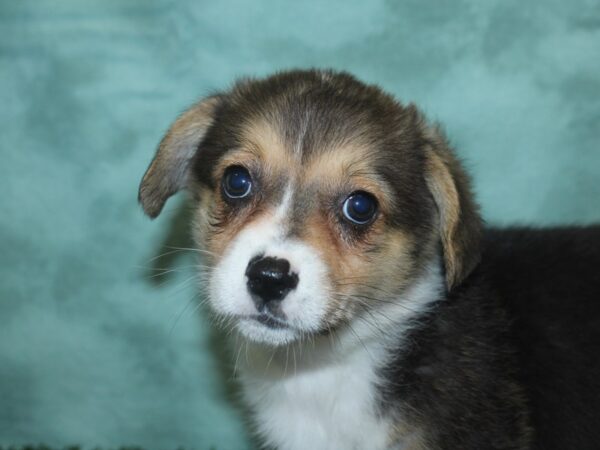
column 331, row 408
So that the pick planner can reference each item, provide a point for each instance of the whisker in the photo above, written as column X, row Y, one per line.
column 235, row 366
column 162, row 255
column 368, row 286
column 360, row 340
column 294, row 354
column 191, row 249
column 270, row 359
column 180, row 315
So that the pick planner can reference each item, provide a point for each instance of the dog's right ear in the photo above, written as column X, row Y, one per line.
column 168, row 172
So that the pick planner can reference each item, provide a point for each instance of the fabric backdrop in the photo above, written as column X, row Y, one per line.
column 95, row 349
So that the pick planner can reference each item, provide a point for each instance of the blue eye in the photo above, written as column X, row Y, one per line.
column 237, row 182
column 360, row 207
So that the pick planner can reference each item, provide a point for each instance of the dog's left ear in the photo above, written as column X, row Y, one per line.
column 459, row 220
column 168, row 171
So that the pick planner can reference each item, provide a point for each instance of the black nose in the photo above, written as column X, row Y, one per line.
column 269, row 280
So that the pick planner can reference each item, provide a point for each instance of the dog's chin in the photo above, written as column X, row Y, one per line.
column 266, row 331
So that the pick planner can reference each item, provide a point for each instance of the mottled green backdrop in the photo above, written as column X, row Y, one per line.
column 96, row 351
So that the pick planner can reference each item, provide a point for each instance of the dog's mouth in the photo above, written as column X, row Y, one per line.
column 266, row 328
column 269, row 320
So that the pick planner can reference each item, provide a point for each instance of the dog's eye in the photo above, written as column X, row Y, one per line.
column 237, row 182
column 360, row 208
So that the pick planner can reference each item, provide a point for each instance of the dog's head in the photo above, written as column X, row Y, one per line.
column 319, row 199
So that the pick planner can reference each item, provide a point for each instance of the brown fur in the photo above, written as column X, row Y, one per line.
column 168, row 172
column 460, row 223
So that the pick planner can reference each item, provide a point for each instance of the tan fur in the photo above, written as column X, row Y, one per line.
column 410, row 436
column 442, row 187
column 265, row 141
column 168, row 171
column 347, row 165
column 216, row 242
column 459, row 220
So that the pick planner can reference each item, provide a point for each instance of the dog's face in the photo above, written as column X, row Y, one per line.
column 319, row 199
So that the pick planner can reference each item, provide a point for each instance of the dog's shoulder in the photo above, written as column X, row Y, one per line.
column 515, row 340
column 455, row 373
column 549, row 281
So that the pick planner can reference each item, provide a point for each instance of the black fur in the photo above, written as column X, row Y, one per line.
column 510, row 359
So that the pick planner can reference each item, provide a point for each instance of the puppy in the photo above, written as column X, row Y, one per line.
column 346, row 251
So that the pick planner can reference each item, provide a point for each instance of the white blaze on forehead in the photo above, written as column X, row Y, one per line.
column 286, row 202
column 304, row 306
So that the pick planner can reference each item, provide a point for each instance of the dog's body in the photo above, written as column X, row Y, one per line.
column 507, row 361
column 372, row 309
column 510, row 358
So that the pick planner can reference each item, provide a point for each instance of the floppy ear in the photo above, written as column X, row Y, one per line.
column 459, row 220
column 168, row 171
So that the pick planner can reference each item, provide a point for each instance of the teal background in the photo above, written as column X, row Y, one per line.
column 96, row 351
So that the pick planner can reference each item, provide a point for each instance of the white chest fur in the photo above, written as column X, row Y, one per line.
column 329, row 407
column 322, row 395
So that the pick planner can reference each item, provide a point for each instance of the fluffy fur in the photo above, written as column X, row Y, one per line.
column 417, row 330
